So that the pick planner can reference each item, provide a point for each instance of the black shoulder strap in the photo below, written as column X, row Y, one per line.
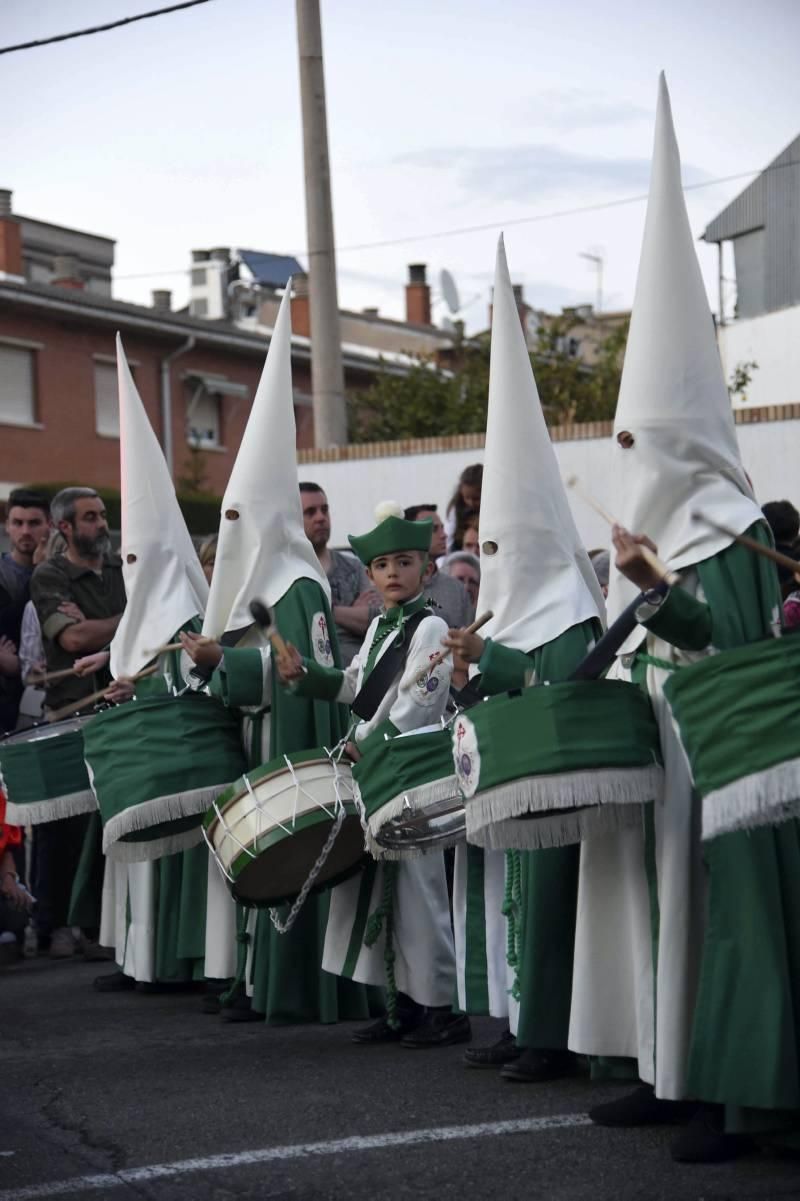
column 386, row 670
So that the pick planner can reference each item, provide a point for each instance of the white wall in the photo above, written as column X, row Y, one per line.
column 772, row 341
column 354, row 488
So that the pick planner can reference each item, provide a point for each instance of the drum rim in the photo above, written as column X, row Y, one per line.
column 35, row 733
column 223, row 800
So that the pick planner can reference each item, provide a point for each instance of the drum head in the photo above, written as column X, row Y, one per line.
column 279, row 872
column 70, row 725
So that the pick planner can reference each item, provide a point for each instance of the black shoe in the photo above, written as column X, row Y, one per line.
column 114, row 982
column 642, row 1108
column 210, row 1003
column 703, row 1139
column 382, row 1032
column 240, row 1009
column 535, row 1066
column 505, row 1050
column 439, row 1028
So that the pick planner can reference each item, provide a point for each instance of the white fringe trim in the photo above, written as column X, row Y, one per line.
column 156, row 848
column 155, row 813
column 418, row 799
column 764, row 798
column 51, row 811
column 557, row 830
column 565, row 790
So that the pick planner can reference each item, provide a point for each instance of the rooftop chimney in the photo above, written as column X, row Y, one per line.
column 418, row 295
column 10, row 239
column 301, row 311
column 66, row 273
column 162, row 300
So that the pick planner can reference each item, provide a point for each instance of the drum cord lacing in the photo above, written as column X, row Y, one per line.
column 512, row 912
column 338, row 816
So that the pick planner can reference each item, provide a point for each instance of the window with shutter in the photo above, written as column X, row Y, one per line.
column 106, row 400
column 17, row 400
column 203, row 420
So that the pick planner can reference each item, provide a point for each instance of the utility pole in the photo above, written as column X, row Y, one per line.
column 327, row 375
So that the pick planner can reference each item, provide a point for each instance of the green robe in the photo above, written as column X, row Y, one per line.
column 289, row 984
column 746, row 1031
column 549, row 877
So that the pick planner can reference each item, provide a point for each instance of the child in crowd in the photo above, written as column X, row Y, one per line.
column 15, row 900
column 405, row 691
column 465, row 503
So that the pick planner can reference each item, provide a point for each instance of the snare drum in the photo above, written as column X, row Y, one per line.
column 410, row 794
column 44, row 774
column 738, row 713
column 556, row 763
column 156, row 764
column 267, row 832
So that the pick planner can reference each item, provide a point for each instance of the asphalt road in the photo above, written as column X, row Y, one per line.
column 109, row 1097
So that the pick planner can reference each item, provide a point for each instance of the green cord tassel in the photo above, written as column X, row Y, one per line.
column 512, row 909
column 384, row 916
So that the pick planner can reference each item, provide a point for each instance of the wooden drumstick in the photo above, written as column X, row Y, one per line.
column 745, row 540
column 263, row 618
column 442, row 655
column 75, row 706
column 49, row 677
column 648, row 555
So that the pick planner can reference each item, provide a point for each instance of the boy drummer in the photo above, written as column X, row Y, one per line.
column 406, row 694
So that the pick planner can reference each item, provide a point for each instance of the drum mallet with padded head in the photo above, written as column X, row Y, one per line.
column 263, row 619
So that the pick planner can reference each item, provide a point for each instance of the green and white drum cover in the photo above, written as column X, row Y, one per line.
column 556, row 763
column 739, row 718
column 410, row 794
column 156, row 764
column 43, row 772
column 270, row 829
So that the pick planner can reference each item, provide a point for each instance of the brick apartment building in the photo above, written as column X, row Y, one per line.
column 196, row 374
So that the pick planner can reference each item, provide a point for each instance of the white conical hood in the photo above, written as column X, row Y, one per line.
column 262, row 547
column 539, row 582
column 673, row 398
column 164, row 581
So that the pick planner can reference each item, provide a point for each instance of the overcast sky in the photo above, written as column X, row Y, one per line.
column 184, row 131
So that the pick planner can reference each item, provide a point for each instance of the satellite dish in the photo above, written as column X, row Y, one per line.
column 449, row 290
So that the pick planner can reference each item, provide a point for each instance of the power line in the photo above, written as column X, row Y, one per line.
column 83, row 33
column 471, row 229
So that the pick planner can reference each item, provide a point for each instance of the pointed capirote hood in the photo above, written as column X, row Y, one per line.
column 673, row 399
column 262, row 548
column 164, row 581
column 536, row 576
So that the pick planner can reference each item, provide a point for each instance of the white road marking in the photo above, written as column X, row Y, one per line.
column 238, row 1159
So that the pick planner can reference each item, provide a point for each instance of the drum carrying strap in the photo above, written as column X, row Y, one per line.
column 386, row 670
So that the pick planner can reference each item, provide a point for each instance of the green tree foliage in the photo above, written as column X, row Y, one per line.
column 425, row 402
column 431, row 401
column 741, row 379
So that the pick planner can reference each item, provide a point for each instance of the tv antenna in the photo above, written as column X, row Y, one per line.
column 595, row 257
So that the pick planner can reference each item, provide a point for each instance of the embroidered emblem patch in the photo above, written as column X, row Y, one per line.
column 466, row 756
column 426, row 683
column 321, row 640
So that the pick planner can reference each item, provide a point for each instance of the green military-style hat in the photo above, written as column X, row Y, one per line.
column 391, row 534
